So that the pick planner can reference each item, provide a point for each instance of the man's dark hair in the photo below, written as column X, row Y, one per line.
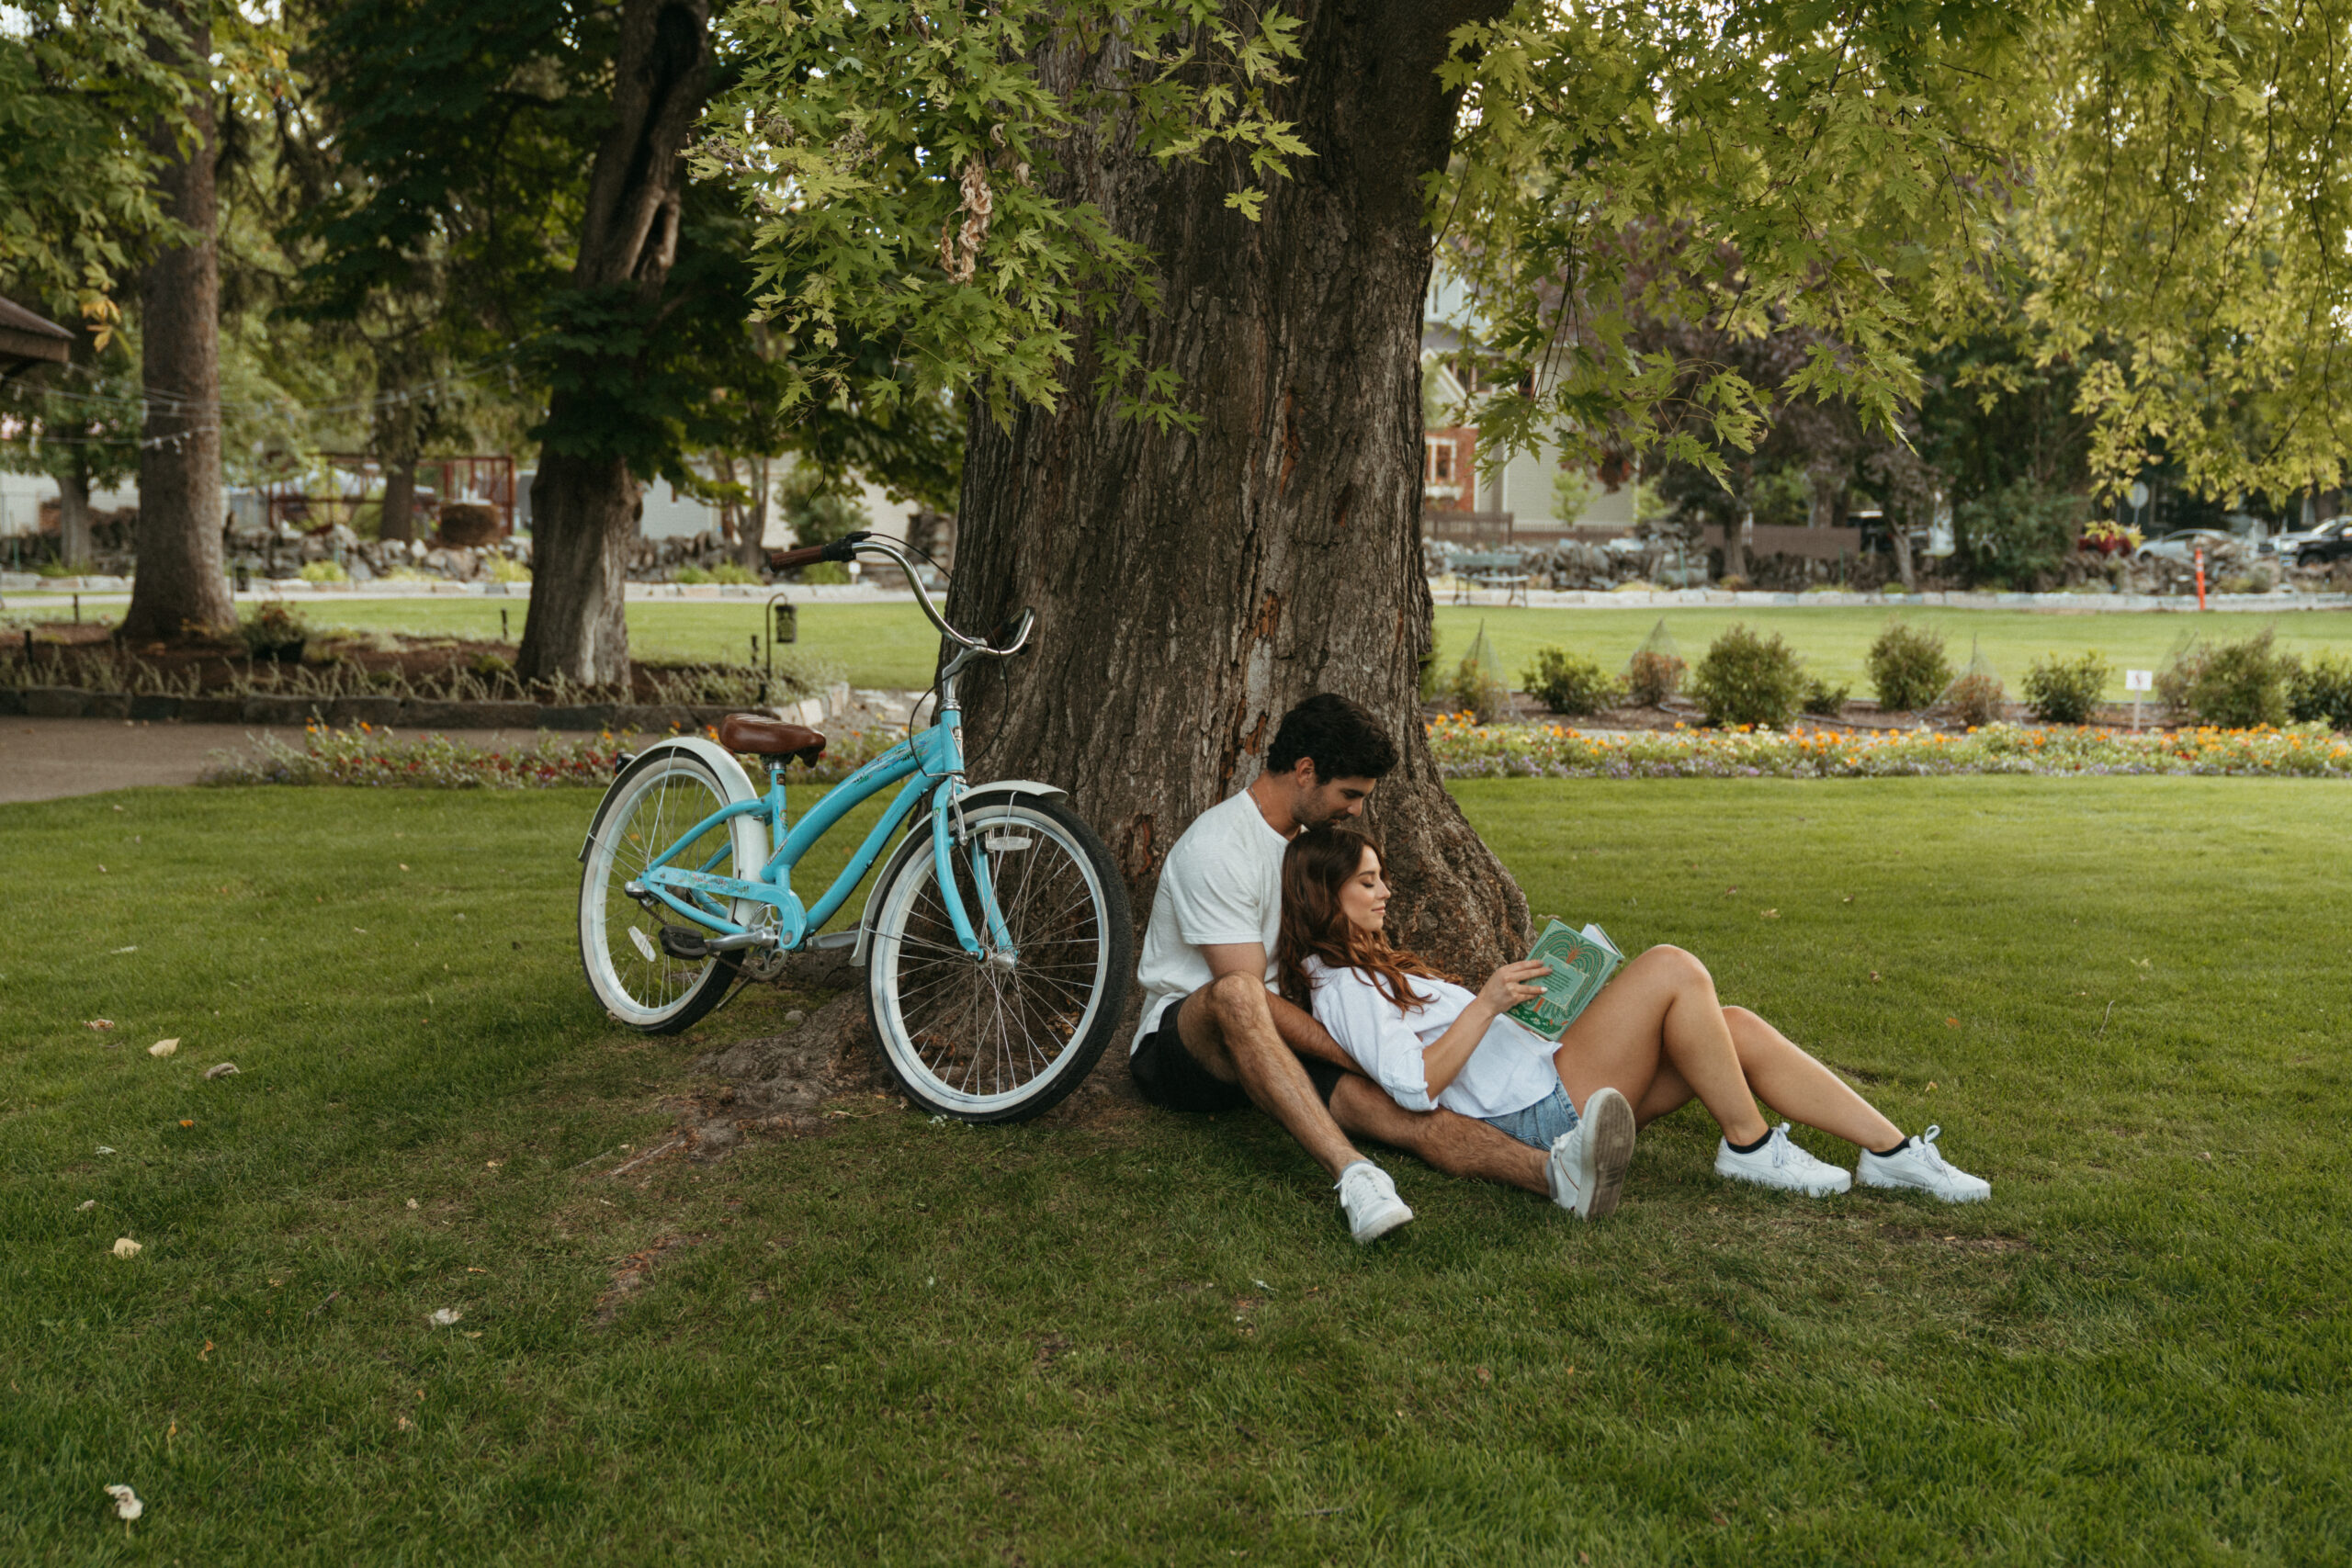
column 1342, row 737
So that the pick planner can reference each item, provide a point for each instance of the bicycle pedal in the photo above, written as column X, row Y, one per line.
column 833, row 942
column 682, row 941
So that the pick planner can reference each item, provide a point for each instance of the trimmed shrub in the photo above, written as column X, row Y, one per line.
column 1569, row 682
column 2238, row 684
column 1748, row 678
column 1908, row 667
column 1656, row 671
column 2067, row 690
column 1976, row 698
column 1823, row 699
column 325, row 571
column 1654, row 677
column 2321, row 691
column 1477, row 686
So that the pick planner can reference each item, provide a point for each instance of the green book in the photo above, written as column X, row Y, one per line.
column 1581, row 963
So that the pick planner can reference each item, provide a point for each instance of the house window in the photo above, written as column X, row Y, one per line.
column 1441, row 461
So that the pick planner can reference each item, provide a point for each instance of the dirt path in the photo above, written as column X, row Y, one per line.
column 48, row 758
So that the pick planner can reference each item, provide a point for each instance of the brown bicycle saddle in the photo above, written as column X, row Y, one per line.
column 758, row 736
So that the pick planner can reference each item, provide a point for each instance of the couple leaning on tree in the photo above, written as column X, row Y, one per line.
column 1268, row 980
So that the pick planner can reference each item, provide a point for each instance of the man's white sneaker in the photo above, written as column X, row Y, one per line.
column 1779, row 1163
column 1370, row 1202
column 1918, row 1165
column 1586, row 1167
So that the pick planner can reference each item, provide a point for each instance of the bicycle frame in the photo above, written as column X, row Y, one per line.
column 928, row 763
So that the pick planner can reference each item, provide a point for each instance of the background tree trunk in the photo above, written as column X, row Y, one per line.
column 584, row 506
column 181, row 581
column 398, row 516
column 1191, row 587
column 73, row 546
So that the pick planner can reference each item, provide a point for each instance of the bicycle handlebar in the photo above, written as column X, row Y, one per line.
column 851, row 545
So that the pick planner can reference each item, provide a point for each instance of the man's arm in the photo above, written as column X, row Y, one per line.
column 1297, row 1026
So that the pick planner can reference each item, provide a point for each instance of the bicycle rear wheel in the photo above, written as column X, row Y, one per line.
column 620, row 937
column 1000, row 1037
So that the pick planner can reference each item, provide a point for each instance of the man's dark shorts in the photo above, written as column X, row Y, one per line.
column 1173, row 1077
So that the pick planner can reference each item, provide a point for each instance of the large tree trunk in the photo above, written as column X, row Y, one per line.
column 181, row 582
column 1191, row 587
column 585, row 504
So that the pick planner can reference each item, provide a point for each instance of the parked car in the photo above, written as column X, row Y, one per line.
column 2181, row 543
column 2291, row 546
column 2330, row 541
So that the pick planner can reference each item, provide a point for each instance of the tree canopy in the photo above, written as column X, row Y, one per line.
column 2152, row 194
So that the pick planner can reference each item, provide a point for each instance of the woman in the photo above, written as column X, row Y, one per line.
column 1656, row 1034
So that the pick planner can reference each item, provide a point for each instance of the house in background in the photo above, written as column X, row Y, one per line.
column 1520, row 502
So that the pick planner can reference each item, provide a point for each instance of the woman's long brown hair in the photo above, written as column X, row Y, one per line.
column 1319, row 863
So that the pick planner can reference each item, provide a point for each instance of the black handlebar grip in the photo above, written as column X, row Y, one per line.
column 845, row 548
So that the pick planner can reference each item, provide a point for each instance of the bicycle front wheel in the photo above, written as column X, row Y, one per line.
column 1005, row 1036
column 640, row 983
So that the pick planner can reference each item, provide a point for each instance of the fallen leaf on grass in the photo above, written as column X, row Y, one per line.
column 221, row 1071
column 104, row 1149
column 100, row 1024
column 165, row 1048
column 1485, row 1376
column 1951, row 1023
column 403, row 865
column 473, row 1333
column 1770, row 915
column 205, row 1354
column 446, row 1317
column 185, row 1123
column 403, row 1423
column 1874, row 974
column 127, row 1505
column 134, row 948
column 125, row 1248
column 86, row 1206
column 412, row 1202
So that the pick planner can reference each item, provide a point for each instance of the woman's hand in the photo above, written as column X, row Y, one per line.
column 1513, row 984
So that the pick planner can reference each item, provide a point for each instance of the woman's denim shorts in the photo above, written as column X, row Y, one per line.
column 1542, row 1123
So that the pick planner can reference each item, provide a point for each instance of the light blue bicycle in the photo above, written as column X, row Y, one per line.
column 996, row 942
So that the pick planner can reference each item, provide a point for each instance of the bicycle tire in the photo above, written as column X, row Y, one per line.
column 660, row 795
column 982, row 1040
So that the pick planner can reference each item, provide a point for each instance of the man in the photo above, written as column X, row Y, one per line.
column 1215, row 1037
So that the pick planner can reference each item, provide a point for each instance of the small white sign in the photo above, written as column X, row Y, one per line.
column 2138, row 680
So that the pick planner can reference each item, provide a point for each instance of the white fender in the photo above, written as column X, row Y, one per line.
column 977, row 793
column 750, row 832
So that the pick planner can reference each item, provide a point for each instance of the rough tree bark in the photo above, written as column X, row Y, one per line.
column 586, row 505
column 181, row 583
column 1191, row 587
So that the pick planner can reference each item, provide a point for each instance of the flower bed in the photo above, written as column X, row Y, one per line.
column 1465, row 750
column 372, row 756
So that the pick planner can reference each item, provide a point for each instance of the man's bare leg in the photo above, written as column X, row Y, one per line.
column 1229, row 1030
column 1458, row 1146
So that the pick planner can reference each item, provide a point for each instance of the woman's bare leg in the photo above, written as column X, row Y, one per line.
column 1657, row 1035
column 1784, row 1076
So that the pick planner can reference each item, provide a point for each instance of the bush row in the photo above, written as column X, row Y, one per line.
column 1749, row 677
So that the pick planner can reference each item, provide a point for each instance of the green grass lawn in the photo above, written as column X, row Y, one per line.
column 1152, row 1340
column 1833, row 640
column 890, row 645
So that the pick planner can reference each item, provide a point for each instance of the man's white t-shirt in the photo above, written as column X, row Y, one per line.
column 1510, row 1069
column 1223, row 883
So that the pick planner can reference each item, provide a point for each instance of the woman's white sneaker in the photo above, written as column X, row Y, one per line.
column 1369, row 1200
column 1779, row 1163
column 1586, row 1165
column 1918, row 1166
